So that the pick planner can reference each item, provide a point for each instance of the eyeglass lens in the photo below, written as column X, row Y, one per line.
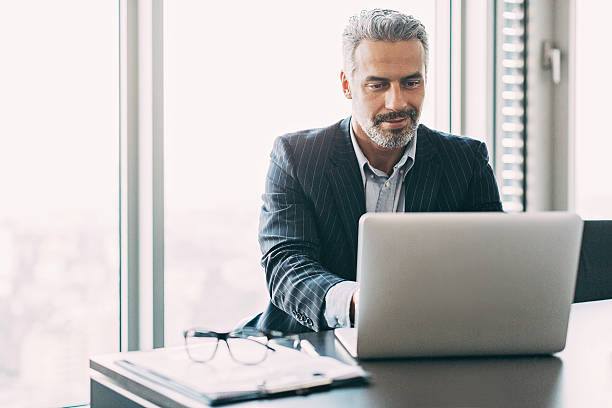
column 201, row 349
column 249, row 350
column 202, row 346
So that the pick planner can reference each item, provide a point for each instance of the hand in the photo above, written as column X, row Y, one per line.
column 354, row 307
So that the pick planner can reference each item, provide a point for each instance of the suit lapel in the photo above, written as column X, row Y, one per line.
column 346, row 183
column 422, row 181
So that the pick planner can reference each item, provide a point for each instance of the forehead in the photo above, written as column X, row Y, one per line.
column 388, row 59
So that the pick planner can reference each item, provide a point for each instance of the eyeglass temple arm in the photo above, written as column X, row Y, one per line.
column 203, row 333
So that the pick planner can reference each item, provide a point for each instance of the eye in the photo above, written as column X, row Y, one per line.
column 412, row 83
column 375, row 85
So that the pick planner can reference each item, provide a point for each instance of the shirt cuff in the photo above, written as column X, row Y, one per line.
column 338, row 304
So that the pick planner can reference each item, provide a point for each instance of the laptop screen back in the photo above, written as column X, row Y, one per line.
column 441, row 284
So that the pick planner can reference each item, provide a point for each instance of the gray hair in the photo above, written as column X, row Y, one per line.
column 380, row 25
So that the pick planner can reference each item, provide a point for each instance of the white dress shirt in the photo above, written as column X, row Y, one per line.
column 383, row 193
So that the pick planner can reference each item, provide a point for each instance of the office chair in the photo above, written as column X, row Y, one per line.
column 594, row 280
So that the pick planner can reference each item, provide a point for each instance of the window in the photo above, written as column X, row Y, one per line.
column 59, row 253
column 233, row 82
column 593, row 142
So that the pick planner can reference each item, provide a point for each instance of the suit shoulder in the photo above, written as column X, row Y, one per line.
column 304, row 143
column 449, row 144
column 439, row 137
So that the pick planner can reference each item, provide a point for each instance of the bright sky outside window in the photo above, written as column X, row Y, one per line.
column 59, row 298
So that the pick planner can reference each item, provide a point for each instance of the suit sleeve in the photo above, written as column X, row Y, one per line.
column 483, row 191
column 288, row 237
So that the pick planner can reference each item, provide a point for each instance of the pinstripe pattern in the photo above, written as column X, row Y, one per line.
column 313, row 200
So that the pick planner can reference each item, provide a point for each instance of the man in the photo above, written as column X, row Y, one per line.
column 321, row 181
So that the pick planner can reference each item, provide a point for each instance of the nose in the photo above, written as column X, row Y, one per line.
column 394, row 98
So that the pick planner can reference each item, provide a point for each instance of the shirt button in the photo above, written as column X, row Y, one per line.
column 401, row 171
column 387, row 184
column 371, row 176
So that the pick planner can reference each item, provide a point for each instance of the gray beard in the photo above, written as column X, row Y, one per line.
column 392, row 139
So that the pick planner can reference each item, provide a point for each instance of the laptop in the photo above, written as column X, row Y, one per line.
column 463, row 284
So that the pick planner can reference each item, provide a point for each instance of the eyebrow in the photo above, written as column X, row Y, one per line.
column 416, row 75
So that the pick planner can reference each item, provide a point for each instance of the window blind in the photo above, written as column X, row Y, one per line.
column 510, row 108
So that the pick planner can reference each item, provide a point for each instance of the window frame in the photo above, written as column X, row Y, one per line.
column 142, row 171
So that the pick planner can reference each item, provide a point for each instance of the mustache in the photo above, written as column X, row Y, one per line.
column 383, row 117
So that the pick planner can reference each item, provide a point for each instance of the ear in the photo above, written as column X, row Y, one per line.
column 345, row 85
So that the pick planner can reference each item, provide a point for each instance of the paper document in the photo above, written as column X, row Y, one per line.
column 224, row 380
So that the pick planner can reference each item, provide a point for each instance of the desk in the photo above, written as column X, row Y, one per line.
column 580, row 376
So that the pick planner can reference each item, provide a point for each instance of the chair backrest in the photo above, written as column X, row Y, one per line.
column 594, row 280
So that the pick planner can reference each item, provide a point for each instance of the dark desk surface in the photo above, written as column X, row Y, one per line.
column 580, row 376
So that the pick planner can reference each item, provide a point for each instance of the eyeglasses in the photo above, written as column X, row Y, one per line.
column 246, row 346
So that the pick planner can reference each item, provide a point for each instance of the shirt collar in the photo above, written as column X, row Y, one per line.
column 409, row 152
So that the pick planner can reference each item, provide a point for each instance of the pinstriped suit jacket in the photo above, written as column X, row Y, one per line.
column 313, row 200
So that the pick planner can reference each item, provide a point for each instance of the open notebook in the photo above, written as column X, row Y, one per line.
column 286, row 371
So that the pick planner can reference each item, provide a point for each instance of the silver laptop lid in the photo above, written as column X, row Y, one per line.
column 442, row 284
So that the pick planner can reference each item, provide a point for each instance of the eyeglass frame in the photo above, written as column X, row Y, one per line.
column 243, row 333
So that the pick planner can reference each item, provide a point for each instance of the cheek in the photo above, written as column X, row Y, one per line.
column 365, row 107
column 418, row 100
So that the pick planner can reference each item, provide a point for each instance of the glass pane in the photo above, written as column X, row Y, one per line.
column 235, row 78
column 593, row 166
column 59, row 206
